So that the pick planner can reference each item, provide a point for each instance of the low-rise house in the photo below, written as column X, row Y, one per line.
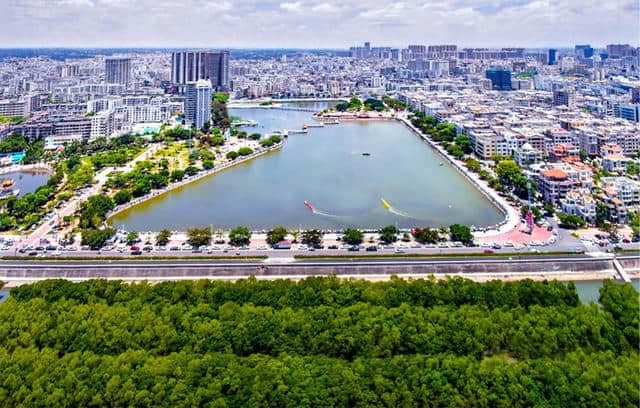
column 527, row 155
column 579, row 203
column 615, row 163
column 554, row 185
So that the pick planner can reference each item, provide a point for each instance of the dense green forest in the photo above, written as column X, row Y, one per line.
column 318, row 342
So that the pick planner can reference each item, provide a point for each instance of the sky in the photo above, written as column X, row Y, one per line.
column 316, row 24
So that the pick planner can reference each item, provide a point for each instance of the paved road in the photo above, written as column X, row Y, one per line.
column 70, row 207
column 240, row 263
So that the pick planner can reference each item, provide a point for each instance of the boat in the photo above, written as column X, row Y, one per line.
column 441, row 164
column 386, row 204
column 7, row 183
column 309, row 206
column 305, row 127
column 366, row 154
column 7, row 190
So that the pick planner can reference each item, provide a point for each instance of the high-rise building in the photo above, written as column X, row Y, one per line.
column 635, row 95
column 552, row 54
column 584, row 51
column 197, row 104
column 619, row 50
column 117, row 70
column 630, row 112
column 191, row 66
column 562, row 98
column 500, row 79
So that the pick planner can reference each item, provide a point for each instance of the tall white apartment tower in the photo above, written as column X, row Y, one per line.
column 197, row 105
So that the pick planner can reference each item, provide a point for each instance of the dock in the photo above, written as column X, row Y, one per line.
column 245, row 123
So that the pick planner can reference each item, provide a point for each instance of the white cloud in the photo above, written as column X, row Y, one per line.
column 325, row 8
column 328, row 23
column 293, row 7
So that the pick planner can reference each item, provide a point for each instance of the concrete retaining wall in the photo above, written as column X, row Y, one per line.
column 145, row 271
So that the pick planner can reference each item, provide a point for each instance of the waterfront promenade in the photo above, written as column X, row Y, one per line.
column 35, row 167
column 191, row 179
column 512, row 215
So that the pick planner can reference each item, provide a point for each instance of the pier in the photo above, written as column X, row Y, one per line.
column 245, row 123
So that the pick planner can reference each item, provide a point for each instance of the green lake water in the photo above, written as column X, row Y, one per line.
column 325, row 167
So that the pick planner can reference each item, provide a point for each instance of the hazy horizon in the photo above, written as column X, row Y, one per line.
column 326, row 24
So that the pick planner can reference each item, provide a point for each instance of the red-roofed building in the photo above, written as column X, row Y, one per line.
column 554, row 185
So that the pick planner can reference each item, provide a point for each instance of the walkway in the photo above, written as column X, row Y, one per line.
column 71, row 207
column 512, row 215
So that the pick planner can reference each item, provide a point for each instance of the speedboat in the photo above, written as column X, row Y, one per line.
column 309, row 206
column 366, row 154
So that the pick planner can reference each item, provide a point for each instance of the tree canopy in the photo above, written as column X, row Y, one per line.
column 318, row 342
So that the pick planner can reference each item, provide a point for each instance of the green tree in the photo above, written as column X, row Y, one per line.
column 132, row 237
column 388, row 234
column 570, row 221
column 177, row 175
column 276, row 235
column 352, row 236
column 426, row 235
column 244, row 151
column 232, row 155
column 464, row 143
column 122, row 197
column 312, row 237
column 163, row 237
column 94, row 210
column 239, row 236
column 198, row 237
column 461, row 233
column 96, row 238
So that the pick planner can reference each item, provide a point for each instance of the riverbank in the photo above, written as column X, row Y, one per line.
column 27, row 168
column 191, row 179
column 512, row 216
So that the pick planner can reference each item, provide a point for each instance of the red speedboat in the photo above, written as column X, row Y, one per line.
column 309, row 206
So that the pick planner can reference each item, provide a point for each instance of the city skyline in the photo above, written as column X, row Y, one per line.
column 328, row 24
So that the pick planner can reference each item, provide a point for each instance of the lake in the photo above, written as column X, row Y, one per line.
column 27, row 182
column 325, row 167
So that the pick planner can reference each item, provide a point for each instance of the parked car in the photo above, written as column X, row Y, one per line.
column 372, row 248
column 136, row 252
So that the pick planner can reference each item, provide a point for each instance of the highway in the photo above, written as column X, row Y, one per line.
column 61, row 263
column 565, row 267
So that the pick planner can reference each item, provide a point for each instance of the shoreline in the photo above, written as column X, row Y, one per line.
column 189, row 180
column 511, row 216
column 27, row 168
column 510, row 221
column 564, row 277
